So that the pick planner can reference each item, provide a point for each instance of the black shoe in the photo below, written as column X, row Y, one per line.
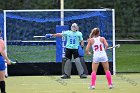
column 65, row 77
column 83, row 76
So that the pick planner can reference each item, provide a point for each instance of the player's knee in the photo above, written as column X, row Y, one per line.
column 106, row 69
column 76, row 57
column 65, row 59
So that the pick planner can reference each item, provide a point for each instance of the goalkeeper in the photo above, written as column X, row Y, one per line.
column 74, row 39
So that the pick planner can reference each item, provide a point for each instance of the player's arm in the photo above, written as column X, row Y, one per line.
column 81, row 40
column 105, row 43
column 3, row 53
column 82, row 43
column 88, row 47
column 53, row 35
column 57, row 35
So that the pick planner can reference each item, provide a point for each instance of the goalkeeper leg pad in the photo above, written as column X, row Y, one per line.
column 66, row 67
column 79, row 66
column 82, row 60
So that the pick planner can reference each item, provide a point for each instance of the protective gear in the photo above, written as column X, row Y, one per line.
column 80, row 51
column 64, row 59
column 74, row 27
column 66, row 66
column 79, row 66
column 48, row 35
column 82, row 62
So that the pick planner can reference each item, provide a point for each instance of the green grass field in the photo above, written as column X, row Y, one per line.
column 123, row 83
column 127, row 56
column 127, row 60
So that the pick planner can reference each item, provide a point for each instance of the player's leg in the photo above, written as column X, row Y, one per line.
column 108, row 74
column 2, row 82
column 66, row 65
column 82, row 60
column 64, row 59
column 81, row 56
column 2, row 76
column 66, row 68
column 93, row 75
column 78, row 64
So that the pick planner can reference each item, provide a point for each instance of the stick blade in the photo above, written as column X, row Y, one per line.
column 118, row 45
column 14, row 62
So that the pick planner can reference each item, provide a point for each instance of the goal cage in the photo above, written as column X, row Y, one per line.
column 20, row 27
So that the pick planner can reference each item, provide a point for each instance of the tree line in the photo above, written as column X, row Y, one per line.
column 127, row 19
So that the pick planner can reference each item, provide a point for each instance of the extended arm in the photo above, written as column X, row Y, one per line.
column 105, row 43
column 88, row 47
column 3, row 53
column 57, row 35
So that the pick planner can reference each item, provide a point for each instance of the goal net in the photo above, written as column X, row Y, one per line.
column 22, row 25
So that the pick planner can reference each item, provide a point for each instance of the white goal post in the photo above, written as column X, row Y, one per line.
column 62, row 22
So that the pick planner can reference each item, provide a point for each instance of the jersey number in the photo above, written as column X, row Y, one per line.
column 98, row 47
column 73, row 40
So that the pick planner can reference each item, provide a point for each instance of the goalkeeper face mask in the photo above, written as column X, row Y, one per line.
column 74, row 27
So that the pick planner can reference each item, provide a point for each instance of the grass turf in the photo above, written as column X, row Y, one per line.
column 128, row 58
column 123, row 83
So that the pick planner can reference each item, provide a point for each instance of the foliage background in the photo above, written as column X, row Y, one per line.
column 127, row 11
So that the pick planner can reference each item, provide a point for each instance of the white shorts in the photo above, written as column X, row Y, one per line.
column 100, row 57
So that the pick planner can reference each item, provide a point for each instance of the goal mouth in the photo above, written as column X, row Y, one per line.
column 33, row 25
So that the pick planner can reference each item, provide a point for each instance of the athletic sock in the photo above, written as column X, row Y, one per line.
column 2, row 86
column 93, row 78
column 108, row 77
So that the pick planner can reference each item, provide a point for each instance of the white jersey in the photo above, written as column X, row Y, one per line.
column 99, row 51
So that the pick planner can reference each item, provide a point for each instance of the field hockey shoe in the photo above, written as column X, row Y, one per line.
column 65, row 77
column 91, row 87
column 111, row 86
column 83, row 76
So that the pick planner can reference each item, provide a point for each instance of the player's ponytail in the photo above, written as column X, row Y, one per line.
column 91, row 34
column 94, row 32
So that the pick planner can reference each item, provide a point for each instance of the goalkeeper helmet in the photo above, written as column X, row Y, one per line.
column 74, row 27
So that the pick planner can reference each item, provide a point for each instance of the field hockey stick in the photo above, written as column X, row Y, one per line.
column 38, row 36
column 46, row 36
column 116, row 46
column 14, row 62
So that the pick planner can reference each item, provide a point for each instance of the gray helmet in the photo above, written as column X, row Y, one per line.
column 74, row 27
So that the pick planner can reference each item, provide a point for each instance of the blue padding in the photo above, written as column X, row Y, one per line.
column 48, row 35
column 59, row 47
column 80, row 51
